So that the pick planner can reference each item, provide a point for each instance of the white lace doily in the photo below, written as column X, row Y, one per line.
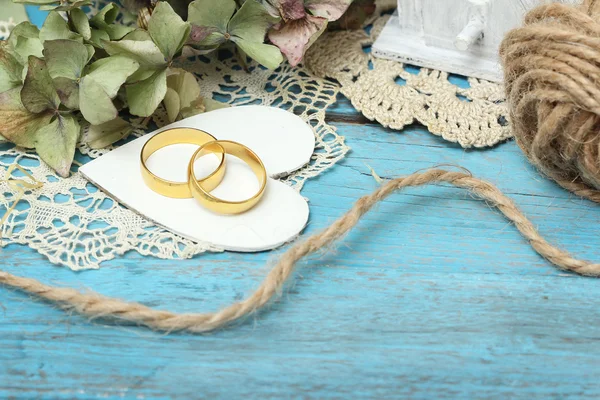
column 396, row 95
column 74, row 224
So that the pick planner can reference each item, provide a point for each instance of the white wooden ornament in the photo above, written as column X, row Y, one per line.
column 282, row 140
column 457, row 36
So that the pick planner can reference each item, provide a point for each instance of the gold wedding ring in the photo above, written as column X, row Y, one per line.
column 179, row 190
column 201, row 191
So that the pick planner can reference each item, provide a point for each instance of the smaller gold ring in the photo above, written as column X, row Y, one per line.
column 178, row 190
column 201, row 191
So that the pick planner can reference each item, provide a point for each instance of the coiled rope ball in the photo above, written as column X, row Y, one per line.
column 552, row 78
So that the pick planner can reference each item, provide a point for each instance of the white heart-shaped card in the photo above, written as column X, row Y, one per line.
column 281, row 139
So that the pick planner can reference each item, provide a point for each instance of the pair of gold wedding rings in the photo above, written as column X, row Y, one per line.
column 200, row 189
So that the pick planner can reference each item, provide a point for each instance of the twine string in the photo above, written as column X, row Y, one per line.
column 94, row 305
column 552, row 80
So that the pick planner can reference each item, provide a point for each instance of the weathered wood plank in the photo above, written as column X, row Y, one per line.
column 343, row 112
column 434, row 295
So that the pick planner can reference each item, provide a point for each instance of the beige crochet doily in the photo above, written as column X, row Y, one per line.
column 395, row 96
column 74, row 224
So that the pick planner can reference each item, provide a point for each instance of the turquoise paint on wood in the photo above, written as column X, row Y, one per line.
column 434, row 295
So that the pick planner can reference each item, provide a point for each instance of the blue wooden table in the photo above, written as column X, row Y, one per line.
column 434, row 295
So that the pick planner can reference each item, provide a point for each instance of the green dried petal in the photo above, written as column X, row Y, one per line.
column 38, row 93
column 267, row 55
column 81, row 23
column 56, row 142
column 65, row 58
column 68, row 92
column 143, row 97
column 251, row 22
column 138, row 34
column 211, row 13
column 172, row 104
column 55, row 27
column 98, row 37
column 185, row 85
column 10, row 71
column 144, row 52
column 248, row 28
column 95, row 105
column 112, row 72
column 140, row 75
column 118, row 31
column 103, row 135
column 107, row 15
column 104, row 21
column 24, row 42
column 17, row 124
column 91, row 51
column 66, row 7
column 168, row 30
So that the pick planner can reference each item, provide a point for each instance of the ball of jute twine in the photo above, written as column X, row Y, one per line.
column 93, row 305
column 552, row 78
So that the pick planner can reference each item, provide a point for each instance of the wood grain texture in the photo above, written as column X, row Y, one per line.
column 433, row 296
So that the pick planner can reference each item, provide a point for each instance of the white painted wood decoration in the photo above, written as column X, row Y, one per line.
column 457, row 36
column 281, row 139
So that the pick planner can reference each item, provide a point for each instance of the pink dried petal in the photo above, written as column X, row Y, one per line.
column 295, row 37
column 331, row 10
column 289, row 10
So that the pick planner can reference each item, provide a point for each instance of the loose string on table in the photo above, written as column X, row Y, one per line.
column 94, row 305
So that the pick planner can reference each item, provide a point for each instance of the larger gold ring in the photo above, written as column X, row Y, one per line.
column 201, row 191
column 178, row 190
